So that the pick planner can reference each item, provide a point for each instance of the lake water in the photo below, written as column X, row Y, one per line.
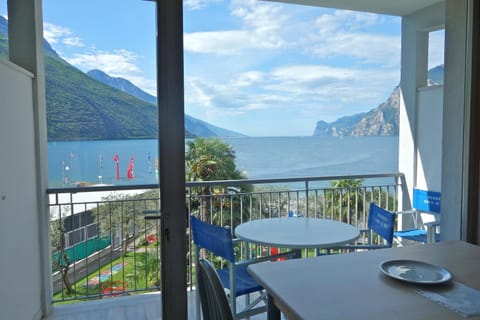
column 260, row 157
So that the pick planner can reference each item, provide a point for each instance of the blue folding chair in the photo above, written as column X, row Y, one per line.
column 234, row 277
column 379, row 234
column 424, row 202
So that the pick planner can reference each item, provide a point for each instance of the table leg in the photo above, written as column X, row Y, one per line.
column 273, row 313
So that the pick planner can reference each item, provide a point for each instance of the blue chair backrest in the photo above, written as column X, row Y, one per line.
column 382, row 222
column 428, row 201
column 215, row 239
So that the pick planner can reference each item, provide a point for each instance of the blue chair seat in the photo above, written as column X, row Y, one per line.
column 419, row 235
column 244, row 282
column 424, row 202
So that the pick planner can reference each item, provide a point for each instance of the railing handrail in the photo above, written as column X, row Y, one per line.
column 224, row 182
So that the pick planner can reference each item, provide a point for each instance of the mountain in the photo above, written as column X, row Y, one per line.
column 122, row 85
column 380, row 121
column 340, row 127
column 193, row 125
column 79, row 107
column 435, row 75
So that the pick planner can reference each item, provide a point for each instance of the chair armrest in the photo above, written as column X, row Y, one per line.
column 415, row 211
column 432, row 224
column 412, row 211
column 288, row 254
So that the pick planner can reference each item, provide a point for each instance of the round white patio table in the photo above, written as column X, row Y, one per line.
column 297, row 233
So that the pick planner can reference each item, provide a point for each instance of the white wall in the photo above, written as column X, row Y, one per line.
column 20, row 289
column 413, row 138
column 429, row 138
column 419, row 156
column 456, row 16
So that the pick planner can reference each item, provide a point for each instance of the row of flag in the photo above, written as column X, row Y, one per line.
column 66, row 166
column 130, row 167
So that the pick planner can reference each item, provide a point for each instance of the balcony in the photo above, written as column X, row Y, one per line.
column 105, row 244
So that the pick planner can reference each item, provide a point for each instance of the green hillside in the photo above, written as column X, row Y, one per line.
column 81, row 108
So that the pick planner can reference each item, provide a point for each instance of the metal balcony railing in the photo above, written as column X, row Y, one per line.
column 102, row 246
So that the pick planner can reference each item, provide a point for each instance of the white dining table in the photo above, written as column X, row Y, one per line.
column 352, row 286
column 297, row 233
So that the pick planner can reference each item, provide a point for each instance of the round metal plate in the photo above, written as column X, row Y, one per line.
column 415, row 271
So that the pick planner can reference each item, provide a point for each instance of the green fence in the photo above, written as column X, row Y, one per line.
column 82, row 250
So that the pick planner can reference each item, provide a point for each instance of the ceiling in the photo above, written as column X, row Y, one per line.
column 388, row 7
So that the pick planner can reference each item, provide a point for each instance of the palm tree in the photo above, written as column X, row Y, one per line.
column 343, row 203
column 210, row 159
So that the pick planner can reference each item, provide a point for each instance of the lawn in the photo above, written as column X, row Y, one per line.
column 116, row 278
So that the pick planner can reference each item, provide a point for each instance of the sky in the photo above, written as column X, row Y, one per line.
column 256, row 67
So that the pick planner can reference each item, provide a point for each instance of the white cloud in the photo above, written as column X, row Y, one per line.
column 198, row 4
column 436, row 48
column 353, row 20
column 273, row 27
column 313, row 89
column 57, row 34
column 53, row 32
column 229, row 97
column 115, row 63
column 73, row 41
column 265, row 21
column 248, row 78
column 340, row 34
column 118, row 63
column 320, row 83
column 261, row 29
column 218, row 42
column 228, row 42
column 366, row 48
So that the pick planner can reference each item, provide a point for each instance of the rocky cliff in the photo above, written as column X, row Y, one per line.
column 380, row 121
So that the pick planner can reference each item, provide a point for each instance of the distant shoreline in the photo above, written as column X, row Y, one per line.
column 220, row 137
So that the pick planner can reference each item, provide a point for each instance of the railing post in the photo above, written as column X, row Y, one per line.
column 306, row 199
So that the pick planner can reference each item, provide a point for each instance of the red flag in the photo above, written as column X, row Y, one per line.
column 116, row 159
column 130, row 169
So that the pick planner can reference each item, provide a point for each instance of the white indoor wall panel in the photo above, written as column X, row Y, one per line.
column 20, row 292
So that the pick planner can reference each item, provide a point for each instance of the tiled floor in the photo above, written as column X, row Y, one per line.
column 135, row 307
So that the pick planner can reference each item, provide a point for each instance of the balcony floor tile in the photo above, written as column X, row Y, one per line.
column 135, row 307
